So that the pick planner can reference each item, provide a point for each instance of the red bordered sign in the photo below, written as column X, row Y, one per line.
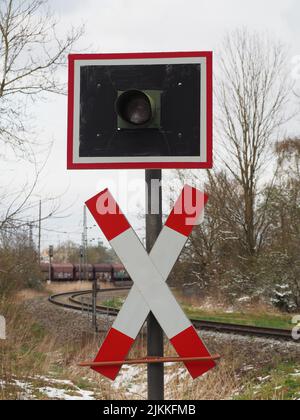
column 179, row 84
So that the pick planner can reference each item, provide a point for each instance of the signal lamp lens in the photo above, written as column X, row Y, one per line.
column 134, row 107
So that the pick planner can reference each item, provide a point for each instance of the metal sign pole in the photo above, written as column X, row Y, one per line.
column 95, row 326
column 81, row 264
column 50, row 263
column 155, row 336
column 50, row 273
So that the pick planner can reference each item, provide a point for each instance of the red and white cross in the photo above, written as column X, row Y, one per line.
column 149, row 273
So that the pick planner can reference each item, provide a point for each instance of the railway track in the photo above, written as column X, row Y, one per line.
column 70, row 300
column 73, row 300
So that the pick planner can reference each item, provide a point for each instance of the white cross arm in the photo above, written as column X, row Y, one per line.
column 149, row 273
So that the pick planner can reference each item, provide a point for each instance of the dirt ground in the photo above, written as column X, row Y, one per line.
column 59, row 287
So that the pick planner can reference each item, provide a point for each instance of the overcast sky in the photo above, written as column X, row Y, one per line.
column 132, row 26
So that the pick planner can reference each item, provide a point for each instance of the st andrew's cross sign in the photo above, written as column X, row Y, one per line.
column 149, row 273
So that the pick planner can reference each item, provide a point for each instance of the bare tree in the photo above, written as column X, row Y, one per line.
column 252, row 96
column 31, row 56
column 31, row 53
column 15, row 208
column 288, row 154
column 281, row 252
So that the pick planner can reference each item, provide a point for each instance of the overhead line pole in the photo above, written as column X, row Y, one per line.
column 40, row 230
column 84, row 243
column 30, row 225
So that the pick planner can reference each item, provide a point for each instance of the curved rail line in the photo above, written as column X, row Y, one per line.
column 70, row 301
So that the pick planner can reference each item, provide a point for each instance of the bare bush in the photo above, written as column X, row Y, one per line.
column 18, row 264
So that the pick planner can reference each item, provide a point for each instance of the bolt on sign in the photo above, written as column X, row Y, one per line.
column 145, row 110
column 149, row 273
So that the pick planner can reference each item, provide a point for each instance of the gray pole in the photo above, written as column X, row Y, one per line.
column 40, row 229
column 85, row 244
column 31, row 236
column 94, row 322
column 155, row 337
column 50, row 272
column 50, row 261
column 81, row 251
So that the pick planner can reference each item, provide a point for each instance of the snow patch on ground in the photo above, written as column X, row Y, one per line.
column 29, row 389
column 266, row 378
column 244, row 299
column 61, row 394
column 132, row 379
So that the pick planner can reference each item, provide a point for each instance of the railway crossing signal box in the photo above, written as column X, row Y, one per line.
column 140, row 111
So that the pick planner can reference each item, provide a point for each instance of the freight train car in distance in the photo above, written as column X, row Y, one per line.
column 114, row 273
column 103, row 272
column 62, row 272
column 120, row 277
column 83, row 272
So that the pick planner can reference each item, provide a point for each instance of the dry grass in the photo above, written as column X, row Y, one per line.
column 251, row 307
column 28, row 294
column 64, row 287
column 221, row 383
column 31, row 350
column 27, row 349
column 55, row 288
